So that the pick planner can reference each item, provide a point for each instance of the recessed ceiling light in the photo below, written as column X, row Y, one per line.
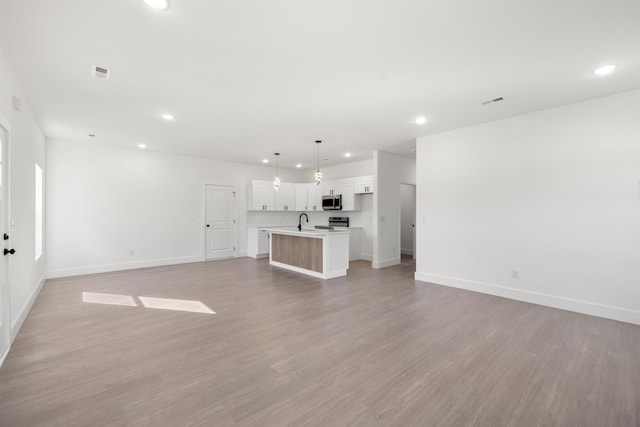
column 265, row 160
column 157, row 4
column 420, row 120
column 603, row 71
column 347, row 154
column 142, row 146
column 298, row 165
column 168, row 117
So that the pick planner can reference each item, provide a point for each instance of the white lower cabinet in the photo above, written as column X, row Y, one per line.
column 257, row 243
column 355, row 244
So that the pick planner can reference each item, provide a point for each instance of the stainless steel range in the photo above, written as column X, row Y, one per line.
column 338, row 221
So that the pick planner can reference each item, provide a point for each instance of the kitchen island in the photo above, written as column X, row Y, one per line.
column 318, row 253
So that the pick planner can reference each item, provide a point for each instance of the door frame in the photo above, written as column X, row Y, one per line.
column 203, row 222
column 5, row 286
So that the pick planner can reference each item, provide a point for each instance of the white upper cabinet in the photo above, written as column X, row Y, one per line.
column 301, row 197
column 261, row 196
column 286, row 197
column 348, row 197
column 330, row 188
column 363, row 185
column 314, row 197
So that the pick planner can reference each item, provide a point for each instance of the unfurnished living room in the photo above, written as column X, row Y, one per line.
column 320, row 213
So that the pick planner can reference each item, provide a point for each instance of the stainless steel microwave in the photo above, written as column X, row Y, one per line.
column 332, row 203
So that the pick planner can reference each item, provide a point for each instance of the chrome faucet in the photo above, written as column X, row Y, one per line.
column 300, row 220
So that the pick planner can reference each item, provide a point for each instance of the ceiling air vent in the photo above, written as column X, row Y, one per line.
column 491, row 101
column 101, row 72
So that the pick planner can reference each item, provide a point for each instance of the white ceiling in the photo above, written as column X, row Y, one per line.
column 247, row 78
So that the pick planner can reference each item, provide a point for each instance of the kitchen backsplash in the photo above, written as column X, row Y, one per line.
column 264, row 219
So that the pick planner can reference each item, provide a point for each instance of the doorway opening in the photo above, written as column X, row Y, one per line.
column 408, row 223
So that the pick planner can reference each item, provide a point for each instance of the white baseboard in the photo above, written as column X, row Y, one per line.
column 4, row 356
column 26, row 308
column 105, row 268
column 578, row 306
column 241, row 254
column 366, row 257
column 406, row 251
column 385, row 263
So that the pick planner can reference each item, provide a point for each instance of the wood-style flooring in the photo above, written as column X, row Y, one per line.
column 375, row 348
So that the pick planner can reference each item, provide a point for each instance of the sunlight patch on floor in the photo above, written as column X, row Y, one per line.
column 190, row 306
column 111, row 299
column 176, row 304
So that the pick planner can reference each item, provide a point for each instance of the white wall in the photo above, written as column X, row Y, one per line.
column 407, row 217
column 346, row 170
column 26, row 146
column 103, row 202
column 390, row 170
column 554, row 194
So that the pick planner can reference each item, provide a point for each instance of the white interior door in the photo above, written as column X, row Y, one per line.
column 220, row 222
column 5, row 320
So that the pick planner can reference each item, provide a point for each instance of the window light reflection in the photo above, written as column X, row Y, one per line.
column 111, row 299
column 148, row 302
column 176, row 304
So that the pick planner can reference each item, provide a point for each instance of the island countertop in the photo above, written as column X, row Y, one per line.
column 318, row 232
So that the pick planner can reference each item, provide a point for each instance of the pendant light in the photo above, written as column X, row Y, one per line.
column 276, row 180
column 318, row 174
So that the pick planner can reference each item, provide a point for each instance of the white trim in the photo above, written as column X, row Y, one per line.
column 406, row 251
column 5, row 284
column 4, row 356
column 24, row 312
column 105, row 268
column 5, row 123
column 366, row 257
column 578, row 306
column 385, row 263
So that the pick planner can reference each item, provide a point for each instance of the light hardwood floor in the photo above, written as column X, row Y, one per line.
column 374, row 348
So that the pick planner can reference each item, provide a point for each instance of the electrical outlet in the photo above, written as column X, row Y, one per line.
column 515, row 274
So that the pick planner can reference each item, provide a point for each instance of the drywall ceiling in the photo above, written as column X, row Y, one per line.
column 247, row 78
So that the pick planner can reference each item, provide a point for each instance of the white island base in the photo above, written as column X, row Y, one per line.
column 323, row 254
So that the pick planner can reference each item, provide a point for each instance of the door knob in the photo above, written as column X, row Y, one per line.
column 207, row 225
column 9, row 251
